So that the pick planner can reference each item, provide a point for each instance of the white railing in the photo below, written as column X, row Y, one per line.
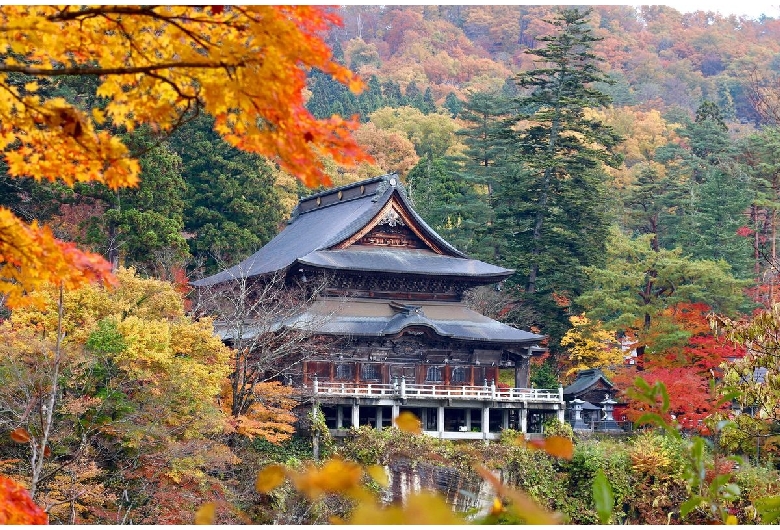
column 405, row 390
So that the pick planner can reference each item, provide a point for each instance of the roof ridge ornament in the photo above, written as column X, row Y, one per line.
column 389, row 180
column 391, row 218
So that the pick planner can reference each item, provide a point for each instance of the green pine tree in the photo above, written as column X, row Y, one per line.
column 715, row 193
column 562, row 153
column 231, row 206
column 453, row 104
column 148, row 221
column 485, row 164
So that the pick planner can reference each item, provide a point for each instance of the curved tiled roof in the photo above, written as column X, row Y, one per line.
column 405, row 262
column 584, row 380
column 383, row 318
column 326, row 219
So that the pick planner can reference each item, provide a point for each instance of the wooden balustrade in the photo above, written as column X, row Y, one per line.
column 402, row 390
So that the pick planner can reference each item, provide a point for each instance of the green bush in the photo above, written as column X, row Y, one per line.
column 590, row 456
column 555, row 427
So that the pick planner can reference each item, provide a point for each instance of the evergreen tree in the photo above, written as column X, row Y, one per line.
column 551, row 209
column 329, row 97
column 485, row 164
column 231, row 206
column 428, row 104
column 447, row 203
column 413, row 97
column 716, row 195
column 638, row 284
column 759, row 153
column 371, row 98
column 649, row 205
column 146, row 221
column 453, row 104
column 391, row 91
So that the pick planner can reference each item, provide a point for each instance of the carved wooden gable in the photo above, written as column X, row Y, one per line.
column 391, row 231
column 392, row 227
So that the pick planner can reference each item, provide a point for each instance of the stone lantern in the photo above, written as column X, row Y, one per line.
column 578, row 423
column 609, row 423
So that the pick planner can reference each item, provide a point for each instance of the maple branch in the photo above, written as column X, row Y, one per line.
column 147, row 12
column 56, row 72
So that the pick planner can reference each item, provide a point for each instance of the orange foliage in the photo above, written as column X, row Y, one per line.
column 246, row 66
column 31, row 258
column 269, row 415
column 16, row 505
column 391, row 150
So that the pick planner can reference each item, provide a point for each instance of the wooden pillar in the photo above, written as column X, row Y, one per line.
column 522, row 376
column 356, row 415
column 524, row 418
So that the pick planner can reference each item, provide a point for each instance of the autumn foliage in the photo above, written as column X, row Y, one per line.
column 687, row 370
column 16, row 506
column 138, row 381
column 246, row 66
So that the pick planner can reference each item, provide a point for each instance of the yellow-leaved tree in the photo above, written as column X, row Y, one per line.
column 156, row 66
column 94, row 376
column 589, row 345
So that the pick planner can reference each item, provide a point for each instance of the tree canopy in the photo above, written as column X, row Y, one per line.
column 246, row 66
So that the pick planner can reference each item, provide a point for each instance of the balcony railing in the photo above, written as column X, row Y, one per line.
column 405, row 390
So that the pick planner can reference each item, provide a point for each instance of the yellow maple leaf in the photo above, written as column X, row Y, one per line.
column 378, row 475
column 408, row 422
column 206, row 514
column 269, row 478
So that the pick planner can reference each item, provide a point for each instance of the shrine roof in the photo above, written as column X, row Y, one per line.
column 322, row 222
column 584, row 380
column 416, row 261
column 382, row 318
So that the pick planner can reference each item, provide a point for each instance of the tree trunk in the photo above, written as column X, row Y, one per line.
column 773, row 262
column 46, row 413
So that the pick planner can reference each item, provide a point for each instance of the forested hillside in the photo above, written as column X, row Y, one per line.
column 633, row 204
column 654, row 186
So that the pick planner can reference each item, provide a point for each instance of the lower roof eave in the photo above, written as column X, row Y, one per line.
column 497, row 342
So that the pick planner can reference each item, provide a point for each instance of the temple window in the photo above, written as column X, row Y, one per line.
column 458, row 375
column 345, row 372
column 434, row 374
column 370, row 372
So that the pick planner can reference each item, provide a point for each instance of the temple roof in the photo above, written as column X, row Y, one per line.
column 324, row 226
column 384, row 318
column 405, row 262
column 585, row 380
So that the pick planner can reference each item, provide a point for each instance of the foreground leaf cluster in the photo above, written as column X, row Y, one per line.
column 157, row 66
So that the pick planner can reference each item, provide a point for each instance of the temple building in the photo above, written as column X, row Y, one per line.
column 591, row 402
column 400, row 336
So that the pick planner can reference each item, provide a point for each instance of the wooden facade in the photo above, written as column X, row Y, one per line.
column 393, row 302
